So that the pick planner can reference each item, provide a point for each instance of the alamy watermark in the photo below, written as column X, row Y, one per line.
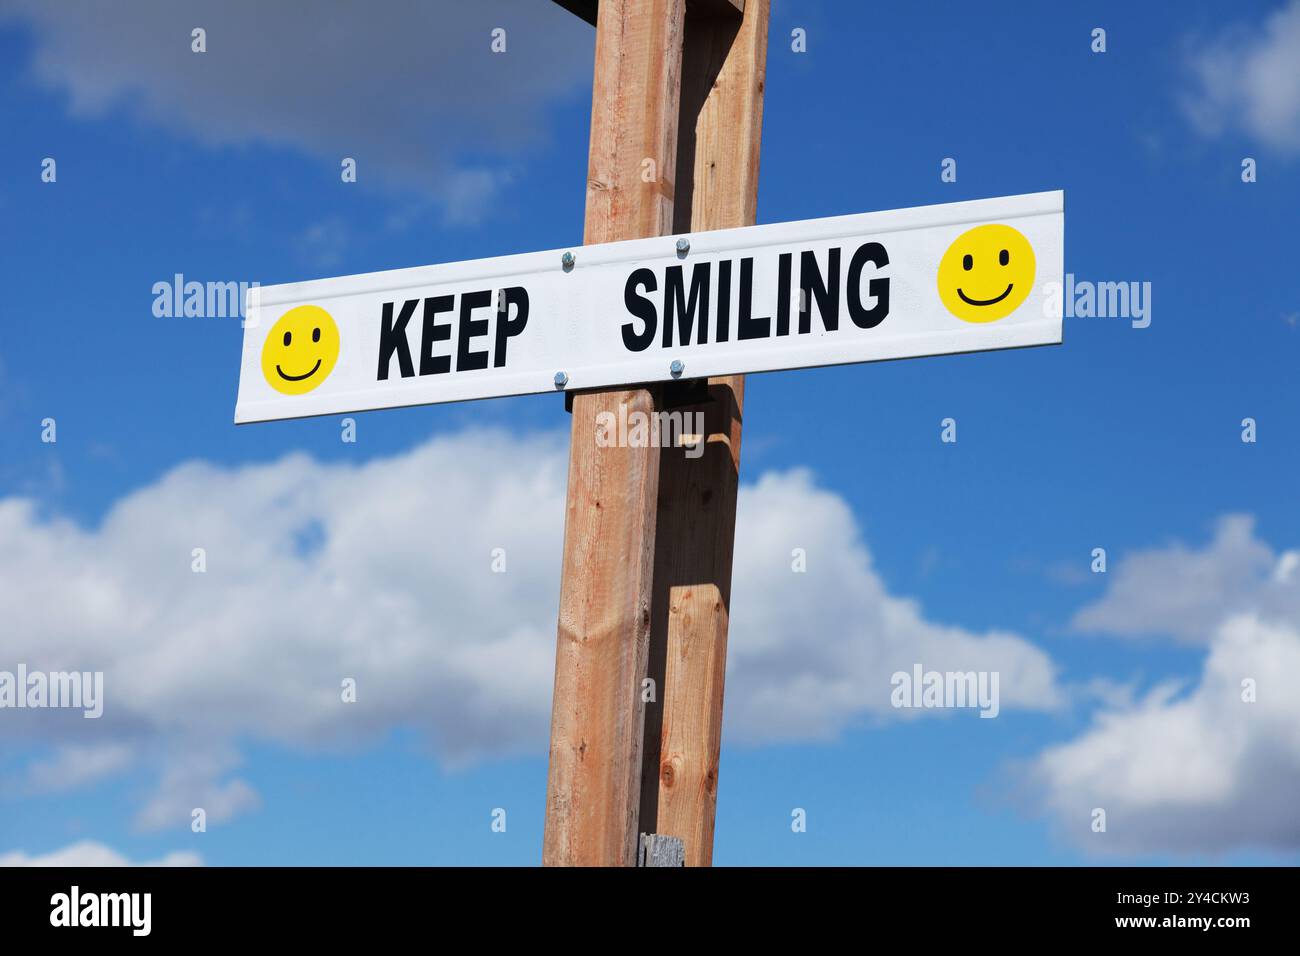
column 200, row 300
column 1083, row 299
column 81, row 690
column 638, row 429
column 130, row 910
column 943, row 689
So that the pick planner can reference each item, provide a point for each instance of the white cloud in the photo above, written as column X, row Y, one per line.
column 382, row 573
column 90, row 853
column 1199, row 769
column 191, row 780
column 410, row 89
column 1249, row 79
column 1187, row 593
column 811, row 652
column 76, row 766
column 315, row 573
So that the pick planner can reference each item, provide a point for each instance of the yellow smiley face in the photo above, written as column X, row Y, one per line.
column 986, row 273
column 300, row 350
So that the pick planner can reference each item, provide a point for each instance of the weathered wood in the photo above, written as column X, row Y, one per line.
column 660, row 850
column 597, row 718
column 723, row 73
column 625, row 504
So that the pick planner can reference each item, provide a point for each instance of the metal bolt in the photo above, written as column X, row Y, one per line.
column 566, row 260
column 677, row 368
column 561, row 379
column 683, row 246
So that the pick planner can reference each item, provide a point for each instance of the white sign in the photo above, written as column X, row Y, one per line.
column 932, row 280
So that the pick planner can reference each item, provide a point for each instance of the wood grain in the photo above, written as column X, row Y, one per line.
column 597, row 718
column 723, row 75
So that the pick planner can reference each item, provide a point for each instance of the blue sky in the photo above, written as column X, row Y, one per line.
column 224, row 166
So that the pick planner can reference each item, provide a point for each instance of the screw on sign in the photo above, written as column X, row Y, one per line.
column 858, row 288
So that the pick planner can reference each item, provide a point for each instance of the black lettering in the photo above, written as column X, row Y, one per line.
column 746, row 327
column 874, row 253
column 392, row 338
column 467, row 361
column 642, row 308
column 507, row 328
column 675, row 300
column 827, row 292
column 784, row 262
column 431, row 364
column 724, row 300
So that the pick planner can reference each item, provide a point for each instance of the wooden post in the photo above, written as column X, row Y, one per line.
column 723, row 74
column 659, row 851
column 648, row 538
column 597, row 718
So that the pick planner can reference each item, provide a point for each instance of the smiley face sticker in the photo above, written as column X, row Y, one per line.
column 986, row 273
column 300, row 350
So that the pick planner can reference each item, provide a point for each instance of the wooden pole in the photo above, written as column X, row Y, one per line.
column 723, row 74
column 597, row 718
column 646, row 584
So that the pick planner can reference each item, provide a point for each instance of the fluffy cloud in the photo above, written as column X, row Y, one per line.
column 1187, row 593
column 1200, row 768
column 811, row 652
column 1249, row 79
column 411, row 89
column 382, row 573
column 90, row 853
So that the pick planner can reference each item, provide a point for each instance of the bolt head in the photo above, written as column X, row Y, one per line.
column 677, row 368
column 567, row 260
column 683, row 246
column 561, row 379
